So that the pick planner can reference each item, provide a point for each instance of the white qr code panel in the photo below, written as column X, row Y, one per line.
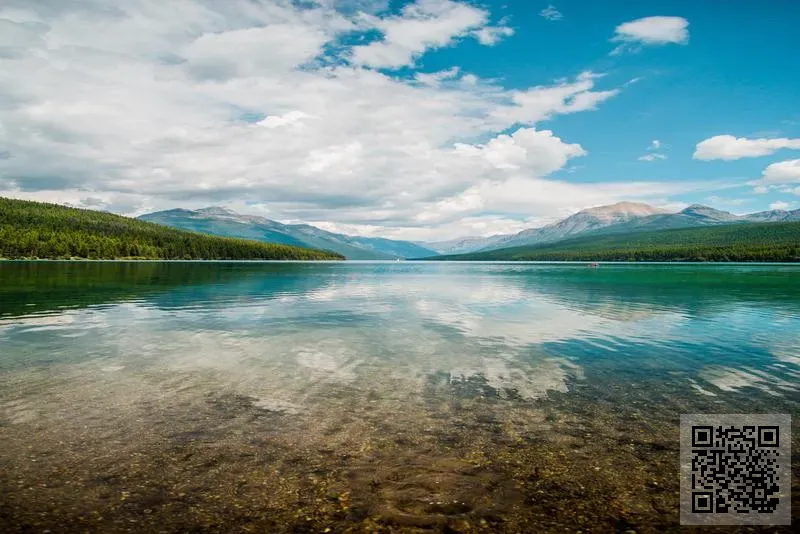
column 735, row 469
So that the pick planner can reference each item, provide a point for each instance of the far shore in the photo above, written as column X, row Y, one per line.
column 425, row 260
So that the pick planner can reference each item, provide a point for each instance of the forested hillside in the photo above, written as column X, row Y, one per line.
column 39, row 230
column 740, row 242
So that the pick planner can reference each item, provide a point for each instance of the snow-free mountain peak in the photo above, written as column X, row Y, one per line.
column 706, row 212
column 583, row 221
column 620, row 210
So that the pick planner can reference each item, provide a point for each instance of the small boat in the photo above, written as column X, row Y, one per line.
column 593, row 265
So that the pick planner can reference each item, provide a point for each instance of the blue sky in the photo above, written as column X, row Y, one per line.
column 421, row 120
column 735, row 76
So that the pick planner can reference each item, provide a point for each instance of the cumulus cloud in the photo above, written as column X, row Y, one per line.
column 255, row 105
column 779, row 205
column 538, row 152
column 781, row 175
column 728, row 147
column 651, row 31
column 782, row 172
column 522, row 194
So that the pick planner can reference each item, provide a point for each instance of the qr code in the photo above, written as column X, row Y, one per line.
column 735, row 469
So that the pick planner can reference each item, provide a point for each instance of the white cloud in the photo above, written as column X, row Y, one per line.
column 651, row 31
column 783, row 172
column 424, row 25
column 551, row 13
column 655, row 144
column 471, row 225
column 334, row 160
column 652, row 157
column 540, row 103
column 728, row 147
column 779, row 205
column 491, row 35
column 521, row 194
column 538, row 152
column 760, row 189
column 434, row 79
column 251, row 51
column 276, row 121
column 192, row 103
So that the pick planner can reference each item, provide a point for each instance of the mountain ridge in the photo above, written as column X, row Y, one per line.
column 31, row 229
column 222, row 221
column 622, row 217
column 618, row 218
column 749, row 241
column 582, row 221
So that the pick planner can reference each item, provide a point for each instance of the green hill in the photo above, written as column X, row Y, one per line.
column 39, row 230
column 775, row 242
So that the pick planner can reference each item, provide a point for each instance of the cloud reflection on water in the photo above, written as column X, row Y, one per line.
column 288, row 333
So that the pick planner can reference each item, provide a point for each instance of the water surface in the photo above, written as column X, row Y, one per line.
column 375, row 396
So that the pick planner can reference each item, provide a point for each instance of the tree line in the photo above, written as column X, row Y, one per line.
column 40, row 230
column 764, row 242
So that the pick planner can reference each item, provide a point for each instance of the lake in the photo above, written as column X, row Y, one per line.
column 444, row 397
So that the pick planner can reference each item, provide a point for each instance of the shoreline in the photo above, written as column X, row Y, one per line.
column 158, row 260
column 417, row 261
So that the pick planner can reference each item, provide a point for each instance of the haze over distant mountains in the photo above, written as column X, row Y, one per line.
column 224, row 222
column 623, row 217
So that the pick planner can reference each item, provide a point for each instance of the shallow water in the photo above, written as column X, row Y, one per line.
column 388, row 397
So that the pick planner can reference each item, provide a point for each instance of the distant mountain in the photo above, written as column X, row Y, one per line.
column 711, row 215
column 690, row 217
column 774, row 216
column 767, row 216
column 583, row 221
column 620, row 218
column 770, row 242
column 227, row 223
column 694, row 216
column 465, row 244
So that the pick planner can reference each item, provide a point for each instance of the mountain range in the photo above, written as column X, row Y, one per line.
column 227, row 223
column 619, row 218
column 741, row 242
column 622, row 217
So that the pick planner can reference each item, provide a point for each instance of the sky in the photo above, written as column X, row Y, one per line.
column 424, row 120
